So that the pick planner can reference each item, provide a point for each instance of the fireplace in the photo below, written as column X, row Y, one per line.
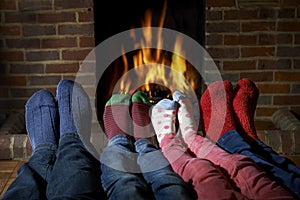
column 114, row 17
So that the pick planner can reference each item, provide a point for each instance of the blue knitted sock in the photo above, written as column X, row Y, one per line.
column 74, row 108
column 42, row 119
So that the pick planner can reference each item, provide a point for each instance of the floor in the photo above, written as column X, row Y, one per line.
column 8, row 172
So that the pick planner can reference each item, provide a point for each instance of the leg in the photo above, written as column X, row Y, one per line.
column 156, row 169
column 278, row 168
column 33, row 176
column 120, row 172
column 76, row 173
column 201, row 173
column 252, row 182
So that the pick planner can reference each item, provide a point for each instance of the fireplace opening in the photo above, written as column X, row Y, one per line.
column 113, row 17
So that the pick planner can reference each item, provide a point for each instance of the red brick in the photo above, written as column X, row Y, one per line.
column 293, row 51
column 62, row 68
column 8, row 5
column 258, row 26
column 287, row 76
column 75, row 54
column 225, row 27
column 290, row 2
column 289, row 26
column 87, row 41
column 23, row 43
column 284, row 39
column 214, row 39
column 267, row 13
column 223, row 52
column 12, row 104
column 239, row 65
column 265, row 88
column 224, row 3
column 59, row 43
column 240, row 14
column 56, row 17
column 296, row 63
column 37, row 30
column 13, row 80
column 25, row 5
column 4, row 93
column 10, row 30
column 297, row 38
column 265, row 111
column 286, row 13
column 19, row 17
column 240, row 40
column 274, row 64
column 23, row 92
column 68, row 4
column 287, row 100
column 213, row 15
column 267, row 39
column 85, row 29
column 257, row 51
column 85, row 16
column 264, row 125
column 42, row 55
column 258, row 76
column 43, row 80
column 11, row 56
column 26, row 68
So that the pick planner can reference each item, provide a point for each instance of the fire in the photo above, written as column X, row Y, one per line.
column 163, row 68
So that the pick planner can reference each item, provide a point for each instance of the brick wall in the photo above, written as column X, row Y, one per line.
column 261, row 43
column 44, row 41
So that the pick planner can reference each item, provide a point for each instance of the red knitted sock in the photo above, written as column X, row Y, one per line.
column 244, row 105
column 140, row 115
column 216, row 109
column 116, row 115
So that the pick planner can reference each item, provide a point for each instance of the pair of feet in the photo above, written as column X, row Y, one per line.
column 222, row 109
column 120, row 109
column 231, row 108
column 48, row 119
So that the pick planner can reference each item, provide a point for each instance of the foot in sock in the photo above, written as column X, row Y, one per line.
column 116, row 116
column 244, row 105
column 42, row 119
column 140, row 115
column 74, row 108
column 187, row 123
column 164, row 119
column 216, row 110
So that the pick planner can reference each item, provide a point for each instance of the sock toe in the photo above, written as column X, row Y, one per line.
column 140, row 115
column 116, row 115
column 42, row 119
column 74, row 108
column 216, row 109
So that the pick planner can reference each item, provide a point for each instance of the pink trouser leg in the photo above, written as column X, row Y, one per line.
column 252, row 182
column 207, row 180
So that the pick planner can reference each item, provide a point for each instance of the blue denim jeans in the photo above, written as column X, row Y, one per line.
column 279, row 168
column 69, row 172
column 139, row 171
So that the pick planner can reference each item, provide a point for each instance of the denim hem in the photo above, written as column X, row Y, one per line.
column 50, row 146
column 74, row 135
column 227, row 136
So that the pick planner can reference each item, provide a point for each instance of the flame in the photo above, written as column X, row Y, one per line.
column 159, row 60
